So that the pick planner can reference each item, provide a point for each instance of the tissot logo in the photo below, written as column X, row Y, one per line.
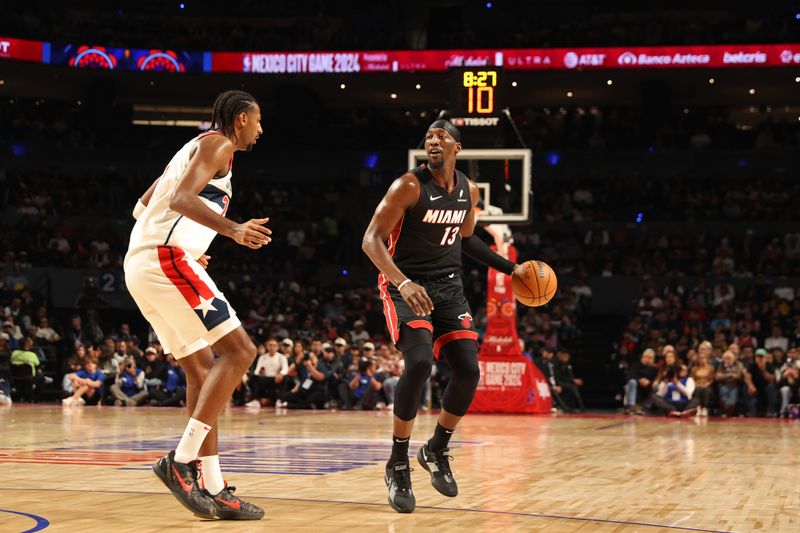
column 4, row 46
column 475, row 121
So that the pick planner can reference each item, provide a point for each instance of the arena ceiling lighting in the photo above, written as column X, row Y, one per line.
column 166, row 115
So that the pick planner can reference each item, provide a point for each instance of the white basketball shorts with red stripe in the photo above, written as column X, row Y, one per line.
column 176, row 295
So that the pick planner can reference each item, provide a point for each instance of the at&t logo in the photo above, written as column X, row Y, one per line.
column 572, row 60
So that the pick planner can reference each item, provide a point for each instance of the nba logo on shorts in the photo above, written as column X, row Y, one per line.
column 466, row 320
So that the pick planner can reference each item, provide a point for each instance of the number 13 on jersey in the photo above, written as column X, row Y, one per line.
column 450, row 234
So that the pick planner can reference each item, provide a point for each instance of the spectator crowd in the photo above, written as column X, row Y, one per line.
column 708, row 350
column 314, row 25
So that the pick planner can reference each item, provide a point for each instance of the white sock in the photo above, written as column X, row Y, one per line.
column 191, row 441
column 212, row 474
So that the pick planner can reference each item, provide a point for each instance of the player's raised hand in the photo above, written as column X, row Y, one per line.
column 252, row 233
column 417, row 299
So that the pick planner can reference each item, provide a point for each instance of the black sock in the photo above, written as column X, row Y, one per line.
column 399, row 450
column 440, row 439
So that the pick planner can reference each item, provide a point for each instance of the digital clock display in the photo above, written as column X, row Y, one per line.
column 480, row 78
column 477, row 90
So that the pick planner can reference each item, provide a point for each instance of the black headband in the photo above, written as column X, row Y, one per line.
column 447, row 126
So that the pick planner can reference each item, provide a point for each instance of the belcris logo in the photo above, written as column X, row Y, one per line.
column 744, row 58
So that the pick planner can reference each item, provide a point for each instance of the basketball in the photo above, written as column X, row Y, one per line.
column 534, row 284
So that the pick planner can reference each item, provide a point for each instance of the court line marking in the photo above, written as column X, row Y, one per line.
column 41, row 522
column 615, row 424
column 433, row 507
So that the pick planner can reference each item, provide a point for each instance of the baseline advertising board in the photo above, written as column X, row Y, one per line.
column 642, row 57
column 100, row 57
column 651, row 57
column 22, row 50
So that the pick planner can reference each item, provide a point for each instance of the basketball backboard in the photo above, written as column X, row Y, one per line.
column 503, row 176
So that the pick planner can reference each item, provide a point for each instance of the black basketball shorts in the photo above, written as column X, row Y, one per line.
column 450, row 320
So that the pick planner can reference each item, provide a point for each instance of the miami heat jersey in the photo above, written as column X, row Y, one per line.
column 426, row 242
column 158, row 225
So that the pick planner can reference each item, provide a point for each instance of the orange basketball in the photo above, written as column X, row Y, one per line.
column 535, row 283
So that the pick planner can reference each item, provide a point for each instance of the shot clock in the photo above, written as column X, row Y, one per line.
column 476, row 91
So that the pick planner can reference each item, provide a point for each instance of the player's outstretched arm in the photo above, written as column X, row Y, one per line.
column 402, row 195
column 474, row 247
column 212, row 157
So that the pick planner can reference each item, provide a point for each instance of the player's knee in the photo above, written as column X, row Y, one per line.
column 471, row 373
column 465, row 362
column 238, row 350
column 246, row 354
column 196, row 374
column 419, row 368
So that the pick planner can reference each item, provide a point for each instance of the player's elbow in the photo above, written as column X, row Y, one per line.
column 177, row 202
column 366, row 242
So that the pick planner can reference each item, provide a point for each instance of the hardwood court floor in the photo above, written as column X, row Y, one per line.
column 88, row 469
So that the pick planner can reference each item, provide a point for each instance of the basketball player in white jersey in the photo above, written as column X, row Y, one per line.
column 177, row 219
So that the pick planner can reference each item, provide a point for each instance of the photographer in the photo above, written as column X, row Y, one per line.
column 361, row 390
column 128, row 388
column 674, row 394
column 154, row 369
column 337, row 371
column 172, row 392
column 311, row 374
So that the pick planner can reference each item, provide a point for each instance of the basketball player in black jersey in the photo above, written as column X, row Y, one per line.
column 416, row 238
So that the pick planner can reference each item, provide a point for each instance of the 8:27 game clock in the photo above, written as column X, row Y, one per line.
column 476, row 90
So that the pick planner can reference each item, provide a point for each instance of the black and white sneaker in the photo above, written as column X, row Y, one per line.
column 398, row 481
column 228, row 506
column 181, row 480
column 438, row 465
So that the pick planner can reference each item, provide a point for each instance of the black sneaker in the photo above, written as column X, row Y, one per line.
column 398, row 480
column 181, row 480
column 228, row 506
column 438, row 465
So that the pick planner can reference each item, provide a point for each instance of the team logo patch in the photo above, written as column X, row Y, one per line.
column 466, row 320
